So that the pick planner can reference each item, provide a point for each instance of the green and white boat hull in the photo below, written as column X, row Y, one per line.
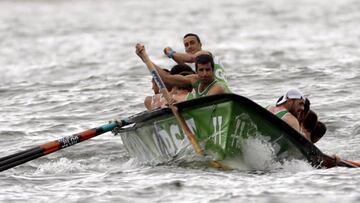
column 221, row 123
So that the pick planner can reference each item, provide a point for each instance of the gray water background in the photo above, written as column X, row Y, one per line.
column 67, row 66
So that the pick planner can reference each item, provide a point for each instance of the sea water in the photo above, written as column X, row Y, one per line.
column 69, row 65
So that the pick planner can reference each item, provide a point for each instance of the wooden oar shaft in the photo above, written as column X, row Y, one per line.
column 332, row 161
column 357, row 164
column 178, row 116
column 53, row 146
column 187, row 131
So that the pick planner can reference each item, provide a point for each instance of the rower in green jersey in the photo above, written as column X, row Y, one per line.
column 203, row 82
column 193, row 48
column 289, row 108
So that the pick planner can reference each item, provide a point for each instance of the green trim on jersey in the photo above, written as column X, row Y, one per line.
column 196, row 87
column 282, row 113
column 220, row 73
column 196, row 92
column 189, row 96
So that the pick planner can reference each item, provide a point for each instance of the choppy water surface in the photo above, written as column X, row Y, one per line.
column 67, row 66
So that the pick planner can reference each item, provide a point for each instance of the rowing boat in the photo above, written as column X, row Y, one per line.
column 222, row 124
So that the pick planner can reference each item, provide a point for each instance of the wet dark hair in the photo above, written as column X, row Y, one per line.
column 185, row 73
column 192, row 34
column 310, row 121
column 306, row 105
column 204, row 59
column 318, row 132
column 177, row 69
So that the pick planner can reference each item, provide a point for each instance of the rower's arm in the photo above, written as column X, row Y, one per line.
column 183, row 58
column 172, row 80
column 176, row 80
column 293, row 122
column 179, row 57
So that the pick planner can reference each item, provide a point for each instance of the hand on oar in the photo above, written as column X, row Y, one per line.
column 50, row 147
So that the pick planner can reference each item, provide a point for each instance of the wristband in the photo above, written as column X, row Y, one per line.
column 171, row 54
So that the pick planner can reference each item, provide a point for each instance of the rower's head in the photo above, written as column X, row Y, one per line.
column 318, row 132
column 182, row 69
column 294, row 102
column 309, row 123
column 205, row 58
column 201, row 52
column 185, row 73
column 304, row 113
column 192, row 43
column 204, row 65
column 178, row 68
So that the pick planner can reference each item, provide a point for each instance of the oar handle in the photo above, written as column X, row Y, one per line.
column 56, row 145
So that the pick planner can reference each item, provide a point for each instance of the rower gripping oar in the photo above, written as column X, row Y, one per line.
column 179, row 118
column 166, row 95
column 53, row 146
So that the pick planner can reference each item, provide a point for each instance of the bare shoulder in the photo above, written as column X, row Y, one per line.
column 292, row 121
column 217, row 89
column 271, row 108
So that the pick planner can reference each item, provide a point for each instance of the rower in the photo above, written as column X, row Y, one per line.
column 177, row 93
column 155, row 101
column 193, row 48
column 203, row 82
column 308, row 124
column 180, row 94
column 312, row 128
column 289, row 108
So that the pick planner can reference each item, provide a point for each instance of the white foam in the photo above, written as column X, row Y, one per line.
column 260, row 155
column 62, row 165
column 297, row 166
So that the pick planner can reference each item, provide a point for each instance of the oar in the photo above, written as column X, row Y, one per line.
column 355, row 163
column 332, row 161
column 166, row 95
column 53, row 146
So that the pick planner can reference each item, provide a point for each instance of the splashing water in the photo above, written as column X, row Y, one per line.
column 259, row 155
column 63, row 165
